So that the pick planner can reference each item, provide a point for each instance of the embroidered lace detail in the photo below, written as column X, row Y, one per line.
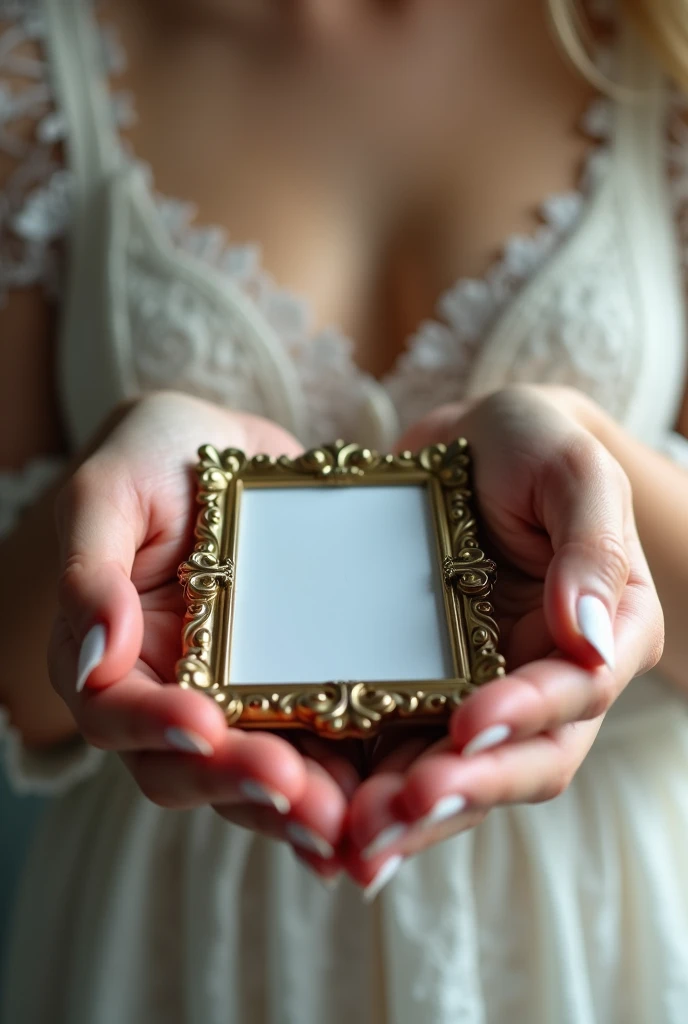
column 436, row 368
column 583, row 336
column 35, row 201
column 187, row 346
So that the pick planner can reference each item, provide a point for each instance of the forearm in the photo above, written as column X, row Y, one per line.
column 29, row 557
column 660, row 501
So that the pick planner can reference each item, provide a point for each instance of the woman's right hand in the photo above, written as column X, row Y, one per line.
column 125, row 522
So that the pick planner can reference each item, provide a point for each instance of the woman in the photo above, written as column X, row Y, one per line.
column 379, row 152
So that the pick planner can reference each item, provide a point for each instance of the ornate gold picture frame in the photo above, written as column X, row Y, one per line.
column 463, row 579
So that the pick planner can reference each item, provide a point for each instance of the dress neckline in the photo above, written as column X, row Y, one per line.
column 463, row 312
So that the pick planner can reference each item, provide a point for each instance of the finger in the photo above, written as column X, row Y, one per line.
column 375, row 827
column 371, row 859
column 547, row 694
column 316, row 823
column 534, row 770
column 444, row 794
column 586, row 507
column 255, row 769
column 371, row 815
column 100, row 527
column 138, row 713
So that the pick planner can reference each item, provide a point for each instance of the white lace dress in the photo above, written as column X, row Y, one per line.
column 573, row 912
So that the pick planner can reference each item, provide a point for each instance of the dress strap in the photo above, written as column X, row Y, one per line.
column 79, row 78
column 89, row 376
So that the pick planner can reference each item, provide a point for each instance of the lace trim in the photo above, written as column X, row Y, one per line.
column 36, row 201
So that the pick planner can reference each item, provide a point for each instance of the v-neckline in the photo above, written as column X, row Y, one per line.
column 463, row 312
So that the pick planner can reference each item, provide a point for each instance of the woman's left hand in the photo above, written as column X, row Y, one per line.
column 579, row 618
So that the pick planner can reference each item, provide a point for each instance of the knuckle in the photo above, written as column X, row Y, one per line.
column 556, row 785
column 92, row 734
column 156, row 790
column 602, row 695
column 204, row 786
column 615, row 566
column 656, row 650
column 68, row 584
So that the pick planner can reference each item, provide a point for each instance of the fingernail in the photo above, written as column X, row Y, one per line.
column 595, row 624
column 447, row 807
column 189, row 742
column 307, row 839
column 487, row 739
column 257, row 793
column 384, row 875
column 91, row 654
column 388, row 837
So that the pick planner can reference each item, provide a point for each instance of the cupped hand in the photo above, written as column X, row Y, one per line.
column 125, row 523
column 579, row 618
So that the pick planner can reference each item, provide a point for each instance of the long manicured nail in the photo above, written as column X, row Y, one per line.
column 91, row 654
column 189, row 742
column 595, row 624
column 488, row 738
column 384, row 875
column 446, row 808
column 306, row 839
column 257, row 793
column 388, row 837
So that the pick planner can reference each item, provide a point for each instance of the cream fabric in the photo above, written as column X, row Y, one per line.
column 572, row 912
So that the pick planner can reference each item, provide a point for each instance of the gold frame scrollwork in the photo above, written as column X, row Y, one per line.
column 337, row 708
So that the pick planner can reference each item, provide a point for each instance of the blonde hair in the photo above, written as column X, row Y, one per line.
column 663, row 23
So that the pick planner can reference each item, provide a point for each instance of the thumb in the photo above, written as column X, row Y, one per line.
column 587, row 511
column 101, row 524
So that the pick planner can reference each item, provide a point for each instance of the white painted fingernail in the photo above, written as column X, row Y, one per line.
column 91, row 654
column 189, row 742
column 488, row 738
column 388, row 837
column 446, row 808
column 595, row 624
column 307, row 839
column 382, row 878
column 257, row 793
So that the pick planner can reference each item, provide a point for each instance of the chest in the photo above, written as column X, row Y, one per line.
column 374, row 167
